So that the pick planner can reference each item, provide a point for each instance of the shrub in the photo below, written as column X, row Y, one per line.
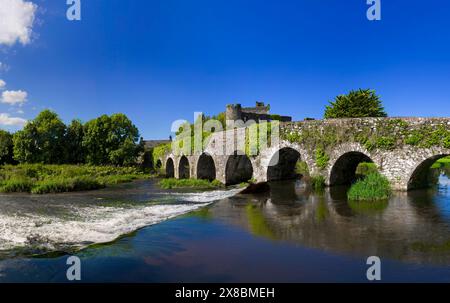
column 60, row 185
column 356, row 104
column 301, row 168
column 321, row 158
column 39, row 179
column 373, row 187
column 365, row 168
column 318, row 183
column 16, row 185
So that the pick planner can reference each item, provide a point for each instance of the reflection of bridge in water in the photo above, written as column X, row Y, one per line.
column 389, row 143
column 411, row 227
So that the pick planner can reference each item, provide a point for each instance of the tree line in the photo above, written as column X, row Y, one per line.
column 106, row 140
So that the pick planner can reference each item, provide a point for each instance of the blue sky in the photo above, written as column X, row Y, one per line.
column 159, row 61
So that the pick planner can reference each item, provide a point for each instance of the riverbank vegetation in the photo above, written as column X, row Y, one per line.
column 373, row 187
column 106, row 140
column 41, row 179
column 318, row 183
column 48, row 156
column 190, row 183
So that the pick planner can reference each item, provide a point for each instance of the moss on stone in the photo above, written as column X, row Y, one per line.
column 322, row 158
column 380, row 133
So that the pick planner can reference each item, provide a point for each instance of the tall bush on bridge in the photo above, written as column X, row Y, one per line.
column 356, row 104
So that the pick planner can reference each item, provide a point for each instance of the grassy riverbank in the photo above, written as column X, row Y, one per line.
column 41, row 179
column 190, row 183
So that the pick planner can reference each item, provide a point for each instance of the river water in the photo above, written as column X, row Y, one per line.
column 140, row 233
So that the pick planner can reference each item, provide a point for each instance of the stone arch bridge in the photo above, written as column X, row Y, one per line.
column 402, row 148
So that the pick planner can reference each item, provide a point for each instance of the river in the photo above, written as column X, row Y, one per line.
column 139, row 233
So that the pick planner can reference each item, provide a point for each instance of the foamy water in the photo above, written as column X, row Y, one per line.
column 81, row 226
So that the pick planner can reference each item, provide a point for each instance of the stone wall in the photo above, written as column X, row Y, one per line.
column 402, row 148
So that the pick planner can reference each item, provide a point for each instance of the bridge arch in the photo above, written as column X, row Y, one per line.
column 184, row 171
column 238, row 169
column 170, row 168
column 343, row 171
column 206, row 168
column 420, row 176
column 282, row 164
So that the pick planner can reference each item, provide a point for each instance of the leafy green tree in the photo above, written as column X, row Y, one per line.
column 111, row 140
column 356, row 104
column 25, row 147
column 6, row 147
column 95, row 140
column 74, row 143
column 42, row 140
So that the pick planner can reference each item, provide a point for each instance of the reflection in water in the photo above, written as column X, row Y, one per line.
column 411, row 226
column 306, row 236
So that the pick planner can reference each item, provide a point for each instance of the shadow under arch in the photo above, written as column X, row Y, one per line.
column 344, row 169
column 282, row 164
column 170, row 168
column 184, row 168
column 421, row 177
column 238, row 169
column 206, row 169
column 158, row 164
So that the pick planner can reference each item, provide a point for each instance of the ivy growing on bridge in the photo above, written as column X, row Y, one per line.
column 321, row 137
column 160, row 151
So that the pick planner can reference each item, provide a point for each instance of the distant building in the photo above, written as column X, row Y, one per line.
column 259, row 112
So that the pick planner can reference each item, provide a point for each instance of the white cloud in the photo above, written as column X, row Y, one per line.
column 2, row 84
column 16, row 21
column 14, row 97
column 6, row 120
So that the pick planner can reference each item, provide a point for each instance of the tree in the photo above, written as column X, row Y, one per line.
column 356, row 104
column 42, row 140
column 111, row 140
column 95, row 140
column 6, row 148
column 74, row 143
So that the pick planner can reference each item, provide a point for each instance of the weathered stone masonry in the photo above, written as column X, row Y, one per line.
column 402, row 148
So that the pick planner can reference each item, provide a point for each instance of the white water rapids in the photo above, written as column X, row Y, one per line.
column 88, row 224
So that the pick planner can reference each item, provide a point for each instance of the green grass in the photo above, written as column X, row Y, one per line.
column 301, row 168
column 41, row 179
column 445, row 160
column 372, row 188
column 189, row 183
column 318, row 183
column 366, row 168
